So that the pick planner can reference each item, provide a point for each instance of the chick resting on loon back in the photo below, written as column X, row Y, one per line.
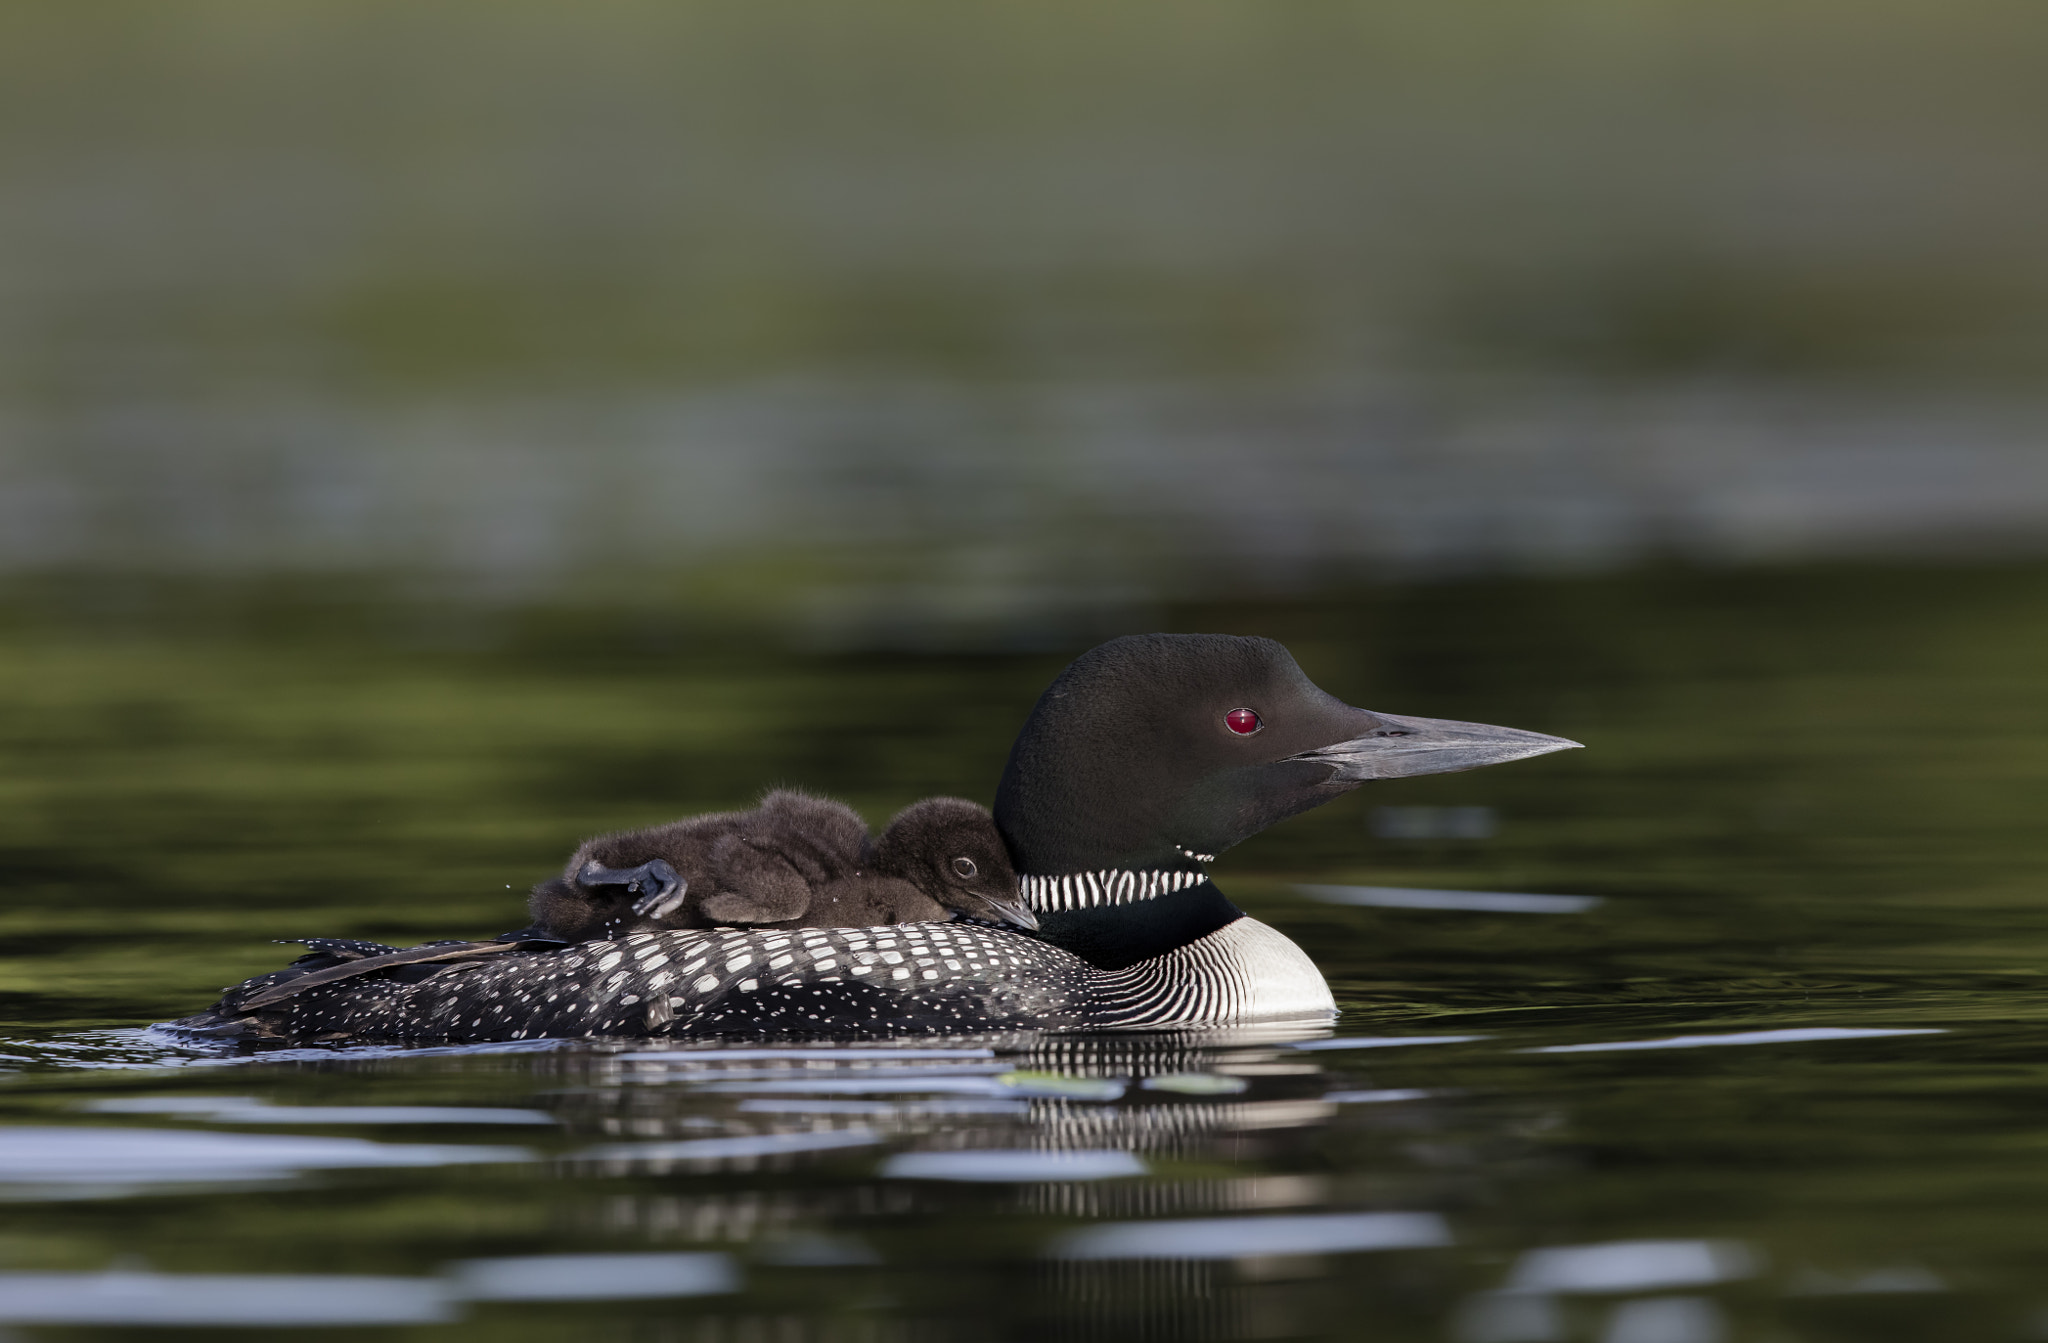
column 1145, row 759
column 794, row 861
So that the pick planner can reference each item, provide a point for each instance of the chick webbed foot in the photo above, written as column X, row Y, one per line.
column 656, row 887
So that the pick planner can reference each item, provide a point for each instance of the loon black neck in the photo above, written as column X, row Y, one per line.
column 1113, row 936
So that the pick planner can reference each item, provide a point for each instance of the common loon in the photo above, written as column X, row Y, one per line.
column 794, row 861
column 1146, row 758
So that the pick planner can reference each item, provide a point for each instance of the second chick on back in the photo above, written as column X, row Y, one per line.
column 795, row 861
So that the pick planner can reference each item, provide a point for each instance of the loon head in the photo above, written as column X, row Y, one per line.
column 1157, row 752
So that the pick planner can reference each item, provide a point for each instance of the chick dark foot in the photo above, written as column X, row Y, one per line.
column 655, row 886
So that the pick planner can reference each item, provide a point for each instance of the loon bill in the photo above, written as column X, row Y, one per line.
column 1146, row 758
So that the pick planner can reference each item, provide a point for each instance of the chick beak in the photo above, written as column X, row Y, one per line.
column 1008, row 911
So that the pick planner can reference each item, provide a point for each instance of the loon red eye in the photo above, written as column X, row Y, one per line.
column 1242, row 721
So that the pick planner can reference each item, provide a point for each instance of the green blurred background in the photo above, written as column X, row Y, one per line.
column 431, row 433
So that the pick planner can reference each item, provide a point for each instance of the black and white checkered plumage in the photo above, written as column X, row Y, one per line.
column 906, row 977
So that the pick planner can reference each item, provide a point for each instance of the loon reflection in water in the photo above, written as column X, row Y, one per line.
column 1145, row 759
column 1246, row 1168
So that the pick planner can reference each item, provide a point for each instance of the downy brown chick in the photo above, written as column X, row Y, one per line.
column 795, row 861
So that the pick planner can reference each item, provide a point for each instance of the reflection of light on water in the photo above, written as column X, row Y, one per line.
column 594, row 1277
column 127, row 1296
column 863, row 1086
column 993, row 1080
column 1793, row 1035
column 1196, row 1084
column 219, row 1299
column 42, row 1162
column 1631, row 1266
column 250, row 1110
column 1012, row 1166
column 1525, row 1313
column 696, row 1075
column 909, row 1109
column 1383, row 1097
column 1034, row 1082
column 1385, row 1041
column 815, row 1071
column 1671, row 1319
column 796, row 1055
column 1487, row 902
column 975, row 1072
column 728, row 1149
column 1247, row 1237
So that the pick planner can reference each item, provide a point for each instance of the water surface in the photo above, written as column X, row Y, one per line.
column 1765, row 1064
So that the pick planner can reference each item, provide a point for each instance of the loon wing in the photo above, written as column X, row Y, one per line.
column 435, row 951
column 821, row 981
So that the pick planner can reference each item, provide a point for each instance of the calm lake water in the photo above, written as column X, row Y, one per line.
column 1775, row 1072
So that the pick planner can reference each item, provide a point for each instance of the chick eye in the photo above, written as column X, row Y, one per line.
column 1242, row 721
column 965, row 867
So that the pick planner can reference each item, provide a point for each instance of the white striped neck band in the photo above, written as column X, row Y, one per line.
column 1110, row 886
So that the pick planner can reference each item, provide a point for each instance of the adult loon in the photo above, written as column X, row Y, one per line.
column 1144, row 760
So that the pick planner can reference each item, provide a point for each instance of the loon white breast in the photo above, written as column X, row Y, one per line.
column 1145, row 759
